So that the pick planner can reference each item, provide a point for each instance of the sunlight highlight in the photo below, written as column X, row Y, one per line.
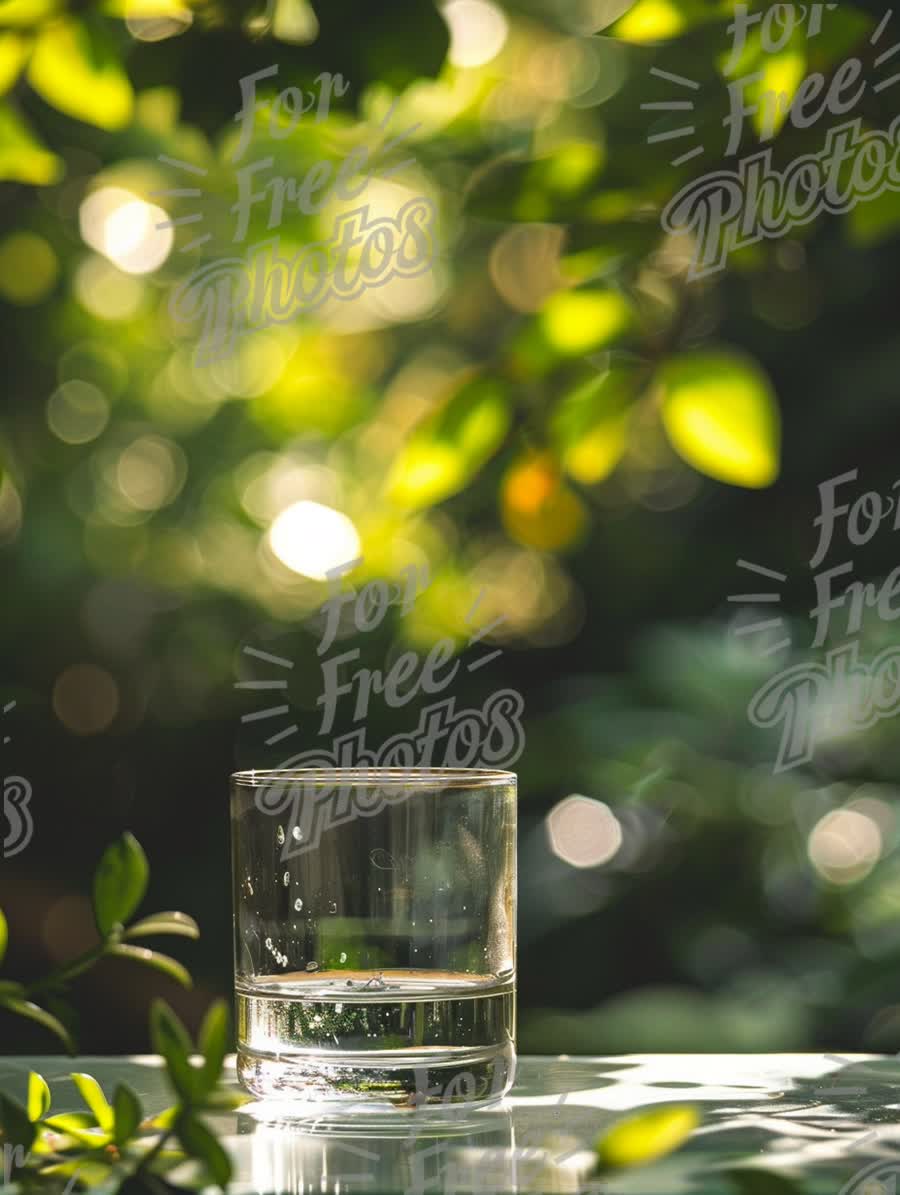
column 312, row 539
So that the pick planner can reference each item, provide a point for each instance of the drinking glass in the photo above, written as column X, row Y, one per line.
column 375, row 941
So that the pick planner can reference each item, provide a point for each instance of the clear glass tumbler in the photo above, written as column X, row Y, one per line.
column 375, row 933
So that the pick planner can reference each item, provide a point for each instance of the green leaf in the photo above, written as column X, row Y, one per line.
column 575, row 322
column 128, row 1114
column 589, row 425
column 213, row 1042
column 641, row 1139
column 199, row 1142
column 153, row 958
column 721, row 415
column 446, row 451
column 75, row 68
column 9, row 987
column 33, row 1012
column 38, row 1096
column 4, row 935
column 170, row 1039
column 22, row 157
column 92, row 1094
column 120, row 882
column 81, row 1127
column 178, row 924
column 17, row 1127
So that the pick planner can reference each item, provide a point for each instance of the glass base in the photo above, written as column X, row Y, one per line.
column 399, row 1037
column 415, row 1078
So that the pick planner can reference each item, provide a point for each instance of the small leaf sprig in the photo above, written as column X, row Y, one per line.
column 119, row 886
column 112, row 1145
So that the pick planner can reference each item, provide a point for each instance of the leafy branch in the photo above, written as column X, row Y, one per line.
column 113, row 1144
column 119, row 886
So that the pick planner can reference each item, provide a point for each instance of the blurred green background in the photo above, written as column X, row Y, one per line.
column 554, row 416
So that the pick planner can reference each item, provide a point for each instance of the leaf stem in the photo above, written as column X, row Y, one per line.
column 70, row 970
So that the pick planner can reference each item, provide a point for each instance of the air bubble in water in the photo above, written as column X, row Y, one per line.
column 312, row 966
column 279, row 835
column 268, row 943
column 343, row 957
column 332, row 908
column 287, row 879
column 296, row 833
column 298, row 904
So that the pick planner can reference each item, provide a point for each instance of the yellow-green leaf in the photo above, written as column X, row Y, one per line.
column 781, row 73
column 448, row 450
column 579, row 321
column 659, row 20
column 90, row 1173
column 13, row 52
column 38, row 1096
column 26, row 13
column 4, row 935
column 22, row 157
column 651, row 20
column 644, row 1138
column 147, row 10
column 179, row 924
column 425, row 472
column 152, row 958
column 75, row 69
column 721, row 415
column 590, row 424
column 92, row 1094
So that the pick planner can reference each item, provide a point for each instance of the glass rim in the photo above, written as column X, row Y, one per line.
column 416, row 777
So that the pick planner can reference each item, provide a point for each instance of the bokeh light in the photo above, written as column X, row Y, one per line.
column 28, row 268
column 126, row 229
column 583, row 832
column 312, row 539
column 106, row 292
column 85, row 699
column 150, row 472
column 478, row 31
column 845, row 845
column 77, row 412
